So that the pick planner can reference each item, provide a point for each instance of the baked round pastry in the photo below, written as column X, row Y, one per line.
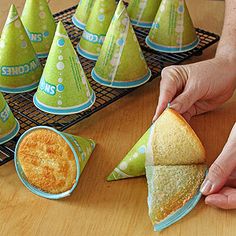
column 47, row 161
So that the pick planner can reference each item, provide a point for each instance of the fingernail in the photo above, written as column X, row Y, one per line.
column 206, row 187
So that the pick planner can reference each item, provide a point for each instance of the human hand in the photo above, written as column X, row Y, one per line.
column 196, row 88
column 220, row 183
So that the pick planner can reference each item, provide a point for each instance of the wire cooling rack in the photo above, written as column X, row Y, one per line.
column 29, row 116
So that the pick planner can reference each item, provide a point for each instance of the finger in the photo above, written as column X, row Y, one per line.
column 231, row 182
column 222, row 168
column 190, row 113
column 225, row 199
column 168, row 88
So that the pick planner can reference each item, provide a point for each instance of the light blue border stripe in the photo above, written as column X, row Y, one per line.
column 10, row 136
column 86, row 54
column 78, row 24
column 42, row 55
column 160, row 48
column 68, row 111
column 141, row 24
column 116, row 84
column 20, row 90
column 35, row 190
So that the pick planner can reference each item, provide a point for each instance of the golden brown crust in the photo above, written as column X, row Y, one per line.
column 47, row 161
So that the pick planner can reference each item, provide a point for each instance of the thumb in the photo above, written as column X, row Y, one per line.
column 221, row 169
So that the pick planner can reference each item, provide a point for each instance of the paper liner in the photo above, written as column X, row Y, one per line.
column 9, row 126
column 82, row 149
column 64, row 88
column 82, row 13
column 20, row 69
column 114, row 67
column 142, row 12
column 172, row 30
column 40, row 25
column 133, row 164
column 179, row 213
column 95, row 31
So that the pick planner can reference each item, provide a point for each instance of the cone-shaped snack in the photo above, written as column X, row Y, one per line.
column 9, row 126
column 20, row 69
column 173, row 191
column 49, row 163
column 39, row 23
column 170, row 140
column 96, row 29
column 114, row 67
column 82, row 13
column 172, row 30
column 64, row 88
column 142, row 12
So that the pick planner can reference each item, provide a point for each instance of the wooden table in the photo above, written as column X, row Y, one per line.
column 118, row 208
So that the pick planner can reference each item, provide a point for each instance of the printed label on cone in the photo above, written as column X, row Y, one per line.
column 172, row 30
column 9, row 126
column 40, row 25
column 95, row 31
column 64, row 88
column 114, row 67
column 20, row 69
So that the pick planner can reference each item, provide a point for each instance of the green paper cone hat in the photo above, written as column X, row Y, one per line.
column 114, row 67
column 20, row 69
column 80, row 148
column 40, row 26
column 82, row 13
column 63, row 88
column 169, row 141
column 9, row 126
column 142, row 12
column 96, row 29
column 172, row 30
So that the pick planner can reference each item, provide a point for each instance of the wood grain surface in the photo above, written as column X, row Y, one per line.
column 118, row 208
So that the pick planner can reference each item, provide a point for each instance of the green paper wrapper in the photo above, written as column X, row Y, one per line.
column 142, row 12
column 172, row 30
column 82, row 149
column 9, row 126
column 39, row 23
column 114, row 67
column 96, row 29
column 133, row 165
column 82, row 13
column 64, row 88
column 20, row 69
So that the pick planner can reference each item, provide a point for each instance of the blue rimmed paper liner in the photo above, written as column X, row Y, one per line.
column 81, row 159
column 179, row 214
column 11, row 134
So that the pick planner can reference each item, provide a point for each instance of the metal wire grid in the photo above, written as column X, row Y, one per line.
column 29, row 116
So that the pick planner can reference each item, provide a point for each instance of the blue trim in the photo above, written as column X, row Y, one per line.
column 35, row 190
column 116, row 84
column 78, row 23
column 86, row 54
column 11, row 135
column 20, row 89
column 42, row 55
column 68, row 111
column 166, row 49
column 141, row 24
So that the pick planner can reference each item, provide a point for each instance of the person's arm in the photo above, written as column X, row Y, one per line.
column 200, row 87
column 220, row 183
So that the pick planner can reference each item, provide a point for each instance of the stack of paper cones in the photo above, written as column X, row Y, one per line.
column 96, row 29
column 9, row 126
column 19, row 65
column 172, row 30
column 64, row 88
column 82, row 13
column 142, row 12
column 121, row 63
column 39, row 23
